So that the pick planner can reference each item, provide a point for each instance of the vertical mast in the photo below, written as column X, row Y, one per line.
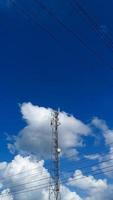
column 55, row 185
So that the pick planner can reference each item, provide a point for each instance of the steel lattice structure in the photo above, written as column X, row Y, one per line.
column 54, row 190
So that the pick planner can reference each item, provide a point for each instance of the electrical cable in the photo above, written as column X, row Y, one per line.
column 104, row 150
column 44, row 186
column 68, row 29
column 27, row 14
column 47, row 178
column 40, row 172
column 92, row 22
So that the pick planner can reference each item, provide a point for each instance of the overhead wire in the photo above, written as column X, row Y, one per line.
column 93, row 174
column 104, row 150
column 52, row 14
column 40, row 171
column 63, row 26
column 90, row 165
column 64, row 181
column 95, row 27
column 68, row 29
column 68, row 171
column 32, row 16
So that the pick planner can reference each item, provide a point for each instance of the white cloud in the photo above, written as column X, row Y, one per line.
column 107, row 133
column 107, row 158
column 35, row 138
column 34, row 174
column 68, row 195
column 87, row 182
column 93, row 156
column 5, row 195
column 107, row 163
column 94, row 189
column 104, row 194
column 27, row 181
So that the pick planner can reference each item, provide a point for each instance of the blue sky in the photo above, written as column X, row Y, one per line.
column 35, row 68
column 64, row 73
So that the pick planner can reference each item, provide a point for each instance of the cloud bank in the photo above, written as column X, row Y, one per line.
column 25, row 178
column 16, row 185
column 93, row 189
column 35, row 137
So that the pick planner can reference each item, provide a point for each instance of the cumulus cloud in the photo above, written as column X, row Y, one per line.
column 94, row 189
column 24, row 173
column 104, row 194
column 16, row 184
column 107, row 133
column 87, row 182
column 6, row 195
column 35, row 140
column 35, row 137
column 14, row 180
column 68, row 195
column 93, row 156
column 107, row 166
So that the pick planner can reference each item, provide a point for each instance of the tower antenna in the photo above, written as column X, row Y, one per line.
column 54, row 190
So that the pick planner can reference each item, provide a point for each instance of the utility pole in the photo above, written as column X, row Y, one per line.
column 54, row 190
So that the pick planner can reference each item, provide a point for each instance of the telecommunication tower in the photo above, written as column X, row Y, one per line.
column 54, row 189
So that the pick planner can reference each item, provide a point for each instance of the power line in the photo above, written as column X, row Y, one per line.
column 68, row 171
column 95, row 174
column 91, row 165
column 28, row 14
column 40, row 171
column 24, row 173
column 83, row 12
column 47, row 178
column 38, row 180
column 57, row 175
column 44, row 186
column 104, row 150
column 68, row 29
